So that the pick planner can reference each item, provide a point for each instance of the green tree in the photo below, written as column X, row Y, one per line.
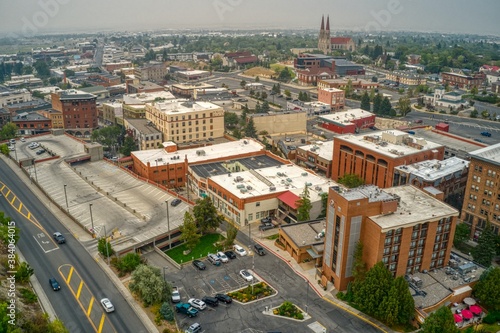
column 4, row 149
column 386, row 106
column 128, row 262
column 24, row 272
column 485, row 250
column 441, row 321
column 57, row 326
column 107, row 136
column 404, row 105
column 243, row 116
column 265, row 107
column 398, row 306
column 284, row 75
column 324, row 204
column 8, row 131
column 42, row 69
column 370, row 294
column 167, row 312
column 189, row 232
column 148, row 283
column 474, row 90
column 243, row 83
column 287, row 93
column 377, row 103
column 206, row 215
column 263, row 95
column 237, row 133
column 487, row 290
column 304, row 205
column 348, row 89
column 359, row 266
column 351, row 180
column 462, row 233
column 104, row 247
column 365, row 101
column 230, row 119
column 257, row 79
column 7, row 224
column 250, row 130
column 231, row 233
column 128, row 146
column 258, row 108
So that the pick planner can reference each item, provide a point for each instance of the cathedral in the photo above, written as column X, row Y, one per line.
column 328, row 44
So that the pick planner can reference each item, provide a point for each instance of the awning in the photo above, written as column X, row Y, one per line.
column 458, row 318
column 290, row 199
column 313, row 254
column 467, row 314
column 475, row 309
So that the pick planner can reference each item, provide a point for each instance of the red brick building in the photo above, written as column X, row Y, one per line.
column 373, row 157
column 78, row 109
column 462, row 80
column 346, row 122
column 32, row 123
column 333, row 97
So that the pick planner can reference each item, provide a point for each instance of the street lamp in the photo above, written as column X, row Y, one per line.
column 92, row 220
column 106, row 242
column 168, row 226
column 307, row 295
column 66, row 196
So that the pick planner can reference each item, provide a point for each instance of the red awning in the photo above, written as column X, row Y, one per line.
column 458, row 318
column 290, row 199
column 475, row 309
column 467, row 314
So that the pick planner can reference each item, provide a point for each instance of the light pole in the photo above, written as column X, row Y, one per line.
column 168, row 226
column 66, row 197
column 92, row 220
column 307, row 295
column 106, row 242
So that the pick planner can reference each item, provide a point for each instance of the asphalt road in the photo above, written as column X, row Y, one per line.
column 48, row 260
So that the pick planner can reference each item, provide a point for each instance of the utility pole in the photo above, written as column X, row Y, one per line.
column 92, row 220
column 66, row 196
column 168, row 226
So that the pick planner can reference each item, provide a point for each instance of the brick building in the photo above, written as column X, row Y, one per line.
column 356, row 84
column 55, row 117
column 78, row 109
column 317, row 156
column 482, row 194
column 463, row 81
column 31, row 123
column 350, row 121
column 328, row 44
column 152, row 72
column 333, row 97
column 404, row 227
column 374, row 156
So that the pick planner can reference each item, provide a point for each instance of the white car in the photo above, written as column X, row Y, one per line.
column 239, row 250
column 107, row 305
column 197, row 303
column 247, row 276
column 222, row 256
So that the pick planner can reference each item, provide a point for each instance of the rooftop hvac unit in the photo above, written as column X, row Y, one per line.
column 308, row 184
column 272, row 188
column 245, row 142
column 160, row 159
column 239, row 186
column 318, row 188
column 238, row 179
column 249, row 187
column 304, row 174
column 243, row 190
column 289, row 180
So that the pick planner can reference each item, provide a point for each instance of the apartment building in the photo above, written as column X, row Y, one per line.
column 280, row 123
column 8, row 96
column 55, row 117
column 333, row 97
column 145, row 135
column 112, row 113
column 350, row 121
column 406, row 228
column 461, row 80
column 317, row 156
column 152, row 72
column 78, row 108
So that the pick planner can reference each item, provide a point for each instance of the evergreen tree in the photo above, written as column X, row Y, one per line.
column 462, row 233
column 265, row 106
column 250, row 130
column 398, row 307
column 441, row 321
column 304, row 206
column 128, row 146
column 485, row 250
column 365, row 101
column 377, row 103
column 348, row 89
column 189, row 232
column 258, row 108
column 374, row 289
column 359, row 266
column 244, row 113
column 386, row 106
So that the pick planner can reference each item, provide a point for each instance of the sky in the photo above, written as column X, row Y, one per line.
column 28, row 17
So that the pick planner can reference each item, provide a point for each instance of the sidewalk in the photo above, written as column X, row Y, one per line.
column 308, row 271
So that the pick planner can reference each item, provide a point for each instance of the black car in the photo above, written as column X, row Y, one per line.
column 259, row 249
column 40, row 151
column 175, row 202
column 199, row 264
column 230, row 254
column 265, row 220
column 54, row 284
column 266, row 226
column 224, row 298
column 212, row 301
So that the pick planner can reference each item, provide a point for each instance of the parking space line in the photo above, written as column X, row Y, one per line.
column 70, row 274
column 101, row 323
column 79, row 289
column 90, row 306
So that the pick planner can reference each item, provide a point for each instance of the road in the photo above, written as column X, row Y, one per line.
column 50, row 260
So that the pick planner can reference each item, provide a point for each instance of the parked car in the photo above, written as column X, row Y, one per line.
column 213, row 259
column 488, row 134
column 175, row 202
column 194, row 328
column 224, row 298
column 176, row 295
column 212, row 301
column 246, row 275
column 418, row 121
column 54, row 284
column 59, row 238
column 230, row 254
column 187, row 309
column 259, row 249
column 265, row 220
column 40, row 151
column 197, row 303
column 239, row 250
column 107, row 305
column 222, row 256
column 23, row 139
column 266, row 226
column 199, row 264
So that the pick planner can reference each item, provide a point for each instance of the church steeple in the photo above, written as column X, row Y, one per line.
column 322, row 23
column 328, row 23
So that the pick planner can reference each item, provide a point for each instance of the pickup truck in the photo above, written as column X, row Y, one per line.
column 187, row 309
column 176, row 296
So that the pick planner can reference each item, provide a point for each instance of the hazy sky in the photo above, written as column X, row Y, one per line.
column 453, row 16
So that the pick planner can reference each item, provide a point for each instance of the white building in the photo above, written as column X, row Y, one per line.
column 444, row 99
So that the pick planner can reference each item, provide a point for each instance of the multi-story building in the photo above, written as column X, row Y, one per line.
column 28, row 80
column 311, row 68
column 239, row 59
column 186, row 121
column 374, row 156
column 443, row 99
column 406, row 228
column 31, row 123
column 8, row 96
column 138, row 87
column 317, row 156
column 134, row 105
column 333, row 97
column 188, row 90
column 482, row 194
column 78, row 109
column 356, row 84
column 344, row 122
column 103, row 79
column 311, row 108
column 281, row 122
column 55, row 117
column 145, row 135
column 461, row 80
column 328, row 44
column 4, row 117
column 113, row 66
column 409, row 78
column 112, row 113
column 153, row 72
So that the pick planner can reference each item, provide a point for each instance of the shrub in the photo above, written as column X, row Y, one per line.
column 492, row 317
column 28, row 295
column 341, row 295
column 128, row 263
column 167, row 312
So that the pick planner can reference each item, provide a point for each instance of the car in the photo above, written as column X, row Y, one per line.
column 107, row 305
column 418, row 121
column 33, row 145
column 197, row 303
column 222, row 256
column 12, row 148
column 175, row 202
column 212, row 301
column 230, row 254
column 214, row 259
column 246, row 275
column 280, row 95
column 22, row 139
column 54, row 284
column 40, row 151
column 266, row 226
column 176, row 295
column 488, row 134
column 194, row 328
column 199, row 264
column 59, row 238
column 259, row 249
column 478, row 140
column 266, row 219
column 239, row 250
column 224, row 298
column 12, row 141
column 272, row 93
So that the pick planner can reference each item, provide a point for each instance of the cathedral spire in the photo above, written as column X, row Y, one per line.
column 328, row 23
column 322, row 22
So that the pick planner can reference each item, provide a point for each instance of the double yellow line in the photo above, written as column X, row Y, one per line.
column 14, row 201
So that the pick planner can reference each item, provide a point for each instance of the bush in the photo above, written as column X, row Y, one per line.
column 341, row 295
column 492, row 317
column 28, row 296
column 127, row 263
column 167, row 312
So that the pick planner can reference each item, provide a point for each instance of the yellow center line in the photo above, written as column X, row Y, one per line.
column 90, row 306
column 101, row 323
column 79, row 289
column 70, row 274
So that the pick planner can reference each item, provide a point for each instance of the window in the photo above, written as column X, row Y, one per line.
column 257, row 204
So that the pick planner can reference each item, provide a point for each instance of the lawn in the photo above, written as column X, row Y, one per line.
column 204, row 247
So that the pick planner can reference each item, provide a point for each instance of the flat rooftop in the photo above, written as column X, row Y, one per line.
column 415, row 207
column 258, row 182
column 304, row 233
column 448, row 140
column 142, row 126
column 75, row 94
column 331, row 89
column 432, row 170
column 345, row 117
column 200, row 85
column 177, row 107
column 221, row 168
column 489, row 154
column 392, row 143
column 145, row 85
column 201, row 154
column 144, row 98
column 323, row 149
column 372, row 192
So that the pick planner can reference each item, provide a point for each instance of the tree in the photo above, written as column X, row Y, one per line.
column 231, row 233
column 243, row 83
column 474, row 90
column 487, row 290
column 104, row 247
column 263, row 95
column 348, row 89
column 287, row 93
column 230, row 119
column 189, row 232
column 206, row 215
column 351, row 180
column 365, row 101
column 485, row 250
column 304, row 205
column 148, row 283
column 257, row 79
column 462, row 233
column 374, row 79
column 42, row 69
column 284, row 75
column 441, row 321
column 8, row 131
column 386, row 106
column 128, row 263
column 359, row 266
column 377, row 103
column 370, row 294
column 107, row 136
column 24, row 272
column 265, row 107
column 237, row 133
column 250, row 130
column 243, row 116
column 404, row 105
column 167, row 312
column 398, row 306
column 324, row 204
column 128, row 146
